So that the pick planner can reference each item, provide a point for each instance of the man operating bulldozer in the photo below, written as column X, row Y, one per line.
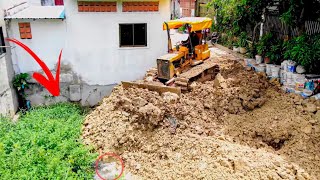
column 194, row 42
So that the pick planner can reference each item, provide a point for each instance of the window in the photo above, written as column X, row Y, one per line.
column 140, row 6
column 51, row 2
column 97, row 6
column 47, row 2
column 2, row 49
column 133, row 35
column 25, row 30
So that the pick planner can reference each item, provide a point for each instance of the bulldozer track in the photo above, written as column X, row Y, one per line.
column 203, row 72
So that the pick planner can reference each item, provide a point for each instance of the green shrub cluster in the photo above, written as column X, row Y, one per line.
column 45, row 144
column 305, row 50
column 235, row 18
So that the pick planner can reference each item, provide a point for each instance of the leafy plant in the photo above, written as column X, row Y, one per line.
column 45, row 144
column 296, row 12
column 275, row 53
column 229, row 42
column 264, row 44
column 20, row 81
column 261, row 49
column 315, row 46
column 305, row 51
column 236, row 15
column 298, row 49
column 243, row 40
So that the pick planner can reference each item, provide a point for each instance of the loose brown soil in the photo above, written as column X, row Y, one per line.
column 237, row 126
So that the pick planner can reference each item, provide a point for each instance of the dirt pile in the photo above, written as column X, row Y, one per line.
column 286, row 124
column 192, row 136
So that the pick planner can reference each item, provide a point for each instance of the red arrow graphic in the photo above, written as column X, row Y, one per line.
column 52, row 85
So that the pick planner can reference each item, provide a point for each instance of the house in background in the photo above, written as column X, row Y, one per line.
column 47, row 2
column 103, row 42
column 175, row 9
column 187, row 8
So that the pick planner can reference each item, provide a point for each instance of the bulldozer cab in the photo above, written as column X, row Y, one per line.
column 195, row 26
column 190, row 53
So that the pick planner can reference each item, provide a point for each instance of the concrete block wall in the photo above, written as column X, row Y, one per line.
column 72, row 88
column 8, row 97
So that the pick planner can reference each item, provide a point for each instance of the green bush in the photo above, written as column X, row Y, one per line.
column 243, row 40
column 265, row 43
column 305, row 50
column 45, row 144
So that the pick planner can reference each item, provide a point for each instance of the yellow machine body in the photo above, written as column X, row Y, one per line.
column 178, row 60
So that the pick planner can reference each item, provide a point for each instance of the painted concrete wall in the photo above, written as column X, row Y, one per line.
column 5, row 4
column 8, row 98
column 92, row 61
column 35, row 2
column 93, row 43
column 48, row 38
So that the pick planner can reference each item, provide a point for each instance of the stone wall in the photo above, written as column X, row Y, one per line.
column 72, row 88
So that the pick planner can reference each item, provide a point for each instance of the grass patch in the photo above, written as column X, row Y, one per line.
column 45, row 144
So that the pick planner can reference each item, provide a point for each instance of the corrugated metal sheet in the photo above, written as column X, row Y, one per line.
column 40, row 12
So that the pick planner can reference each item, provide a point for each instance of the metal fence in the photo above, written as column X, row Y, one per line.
column 275, row 25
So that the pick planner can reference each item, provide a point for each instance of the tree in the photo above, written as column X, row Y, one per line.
column 296, row 12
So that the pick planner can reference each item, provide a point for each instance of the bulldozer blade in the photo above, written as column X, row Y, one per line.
column 151, row 87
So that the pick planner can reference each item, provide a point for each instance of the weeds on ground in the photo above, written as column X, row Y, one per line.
column 45, row 144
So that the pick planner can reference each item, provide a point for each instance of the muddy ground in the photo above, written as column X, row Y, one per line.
column 238, row 126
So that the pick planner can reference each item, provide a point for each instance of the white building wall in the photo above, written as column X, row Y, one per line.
column 48, row 38
column 92, row 61
column 35, row 2
column 5, row 4
column 92, row 43
column 41, row 2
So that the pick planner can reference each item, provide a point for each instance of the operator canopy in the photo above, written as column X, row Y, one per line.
column 197, row 23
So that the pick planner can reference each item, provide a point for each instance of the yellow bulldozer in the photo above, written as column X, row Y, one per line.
column 187, row 61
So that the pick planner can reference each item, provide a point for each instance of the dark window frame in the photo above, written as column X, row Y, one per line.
column 47, row 2
column 2, row 43
column 133, row 35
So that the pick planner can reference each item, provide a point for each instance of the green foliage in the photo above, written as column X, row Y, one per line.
column 270, row 46
column 295, row 12
column 249, row 12
column 230, row 41
column 20, row 81
column 305, row 51
column 264, row 44
column 275, row 53
column 237, row 14
column 243, row 40
column 225, row 11
column 45, row 144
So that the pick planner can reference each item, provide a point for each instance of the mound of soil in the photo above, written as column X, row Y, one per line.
column 291, row 130
column 237, row 126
